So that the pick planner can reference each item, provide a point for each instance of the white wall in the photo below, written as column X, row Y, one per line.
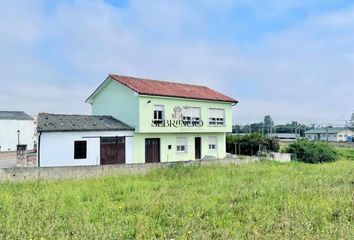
column 57, row 148
column 343, row 135
column 8, row 134
column 340, row 137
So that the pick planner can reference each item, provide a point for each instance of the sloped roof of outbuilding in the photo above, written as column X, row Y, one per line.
column 14, row 115
column 74, row 123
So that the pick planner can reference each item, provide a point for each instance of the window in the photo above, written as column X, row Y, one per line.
column 191, row 116
column 80, row 150
column 181, row 145
column 212, row 143
column 158, row 114
column 216, row 117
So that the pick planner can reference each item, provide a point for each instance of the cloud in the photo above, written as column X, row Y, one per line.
column 302, row 71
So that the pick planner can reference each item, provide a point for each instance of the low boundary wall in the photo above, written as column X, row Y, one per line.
column 8, row 155
column 83, row 172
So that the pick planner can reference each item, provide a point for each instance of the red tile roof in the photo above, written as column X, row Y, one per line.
column 170, row 89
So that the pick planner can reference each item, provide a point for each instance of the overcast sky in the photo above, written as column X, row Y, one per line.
column 292, row 59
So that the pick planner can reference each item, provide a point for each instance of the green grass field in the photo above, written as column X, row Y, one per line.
column 346, row 153
column 266, row 200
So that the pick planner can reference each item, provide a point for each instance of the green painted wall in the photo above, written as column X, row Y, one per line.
column 146, row 109
column 121, row 102
column 171, row 139
column 118, row 101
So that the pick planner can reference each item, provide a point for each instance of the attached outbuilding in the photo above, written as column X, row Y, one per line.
column 83, row 140
column 16, row 128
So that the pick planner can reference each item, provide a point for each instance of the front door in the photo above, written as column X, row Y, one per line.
column 152, row 150
column 112, row 150
column 198, row 148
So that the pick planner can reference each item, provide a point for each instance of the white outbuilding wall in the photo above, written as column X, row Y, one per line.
column 343, row 135
column 57, row 148
column 9, row 136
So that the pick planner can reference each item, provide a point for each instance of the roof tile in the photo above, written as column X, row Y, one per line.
column 169, row 89
column 62, row 123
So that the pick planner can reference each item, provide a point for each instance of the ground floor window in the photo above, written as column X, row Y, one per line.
column 80, row 150
column 181, row 145
column 212, row 143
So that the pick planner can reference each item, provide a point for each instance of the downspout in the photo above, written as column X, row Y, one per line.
column 39, row 150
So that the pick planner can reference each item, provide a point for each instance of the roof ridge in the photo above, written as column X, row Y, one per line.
column 162, row 81
column 163, row 88
column 68, row 114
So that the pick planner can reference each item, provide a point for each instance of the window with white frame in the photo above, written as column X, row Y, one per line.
column 216, row 117
column 191, row 115
column 212, row 143
column 158, row 114
column 181, row 144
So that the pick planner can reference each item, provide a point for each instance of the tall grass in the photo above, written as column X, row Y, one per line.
column 264, row 201
column 346, row 153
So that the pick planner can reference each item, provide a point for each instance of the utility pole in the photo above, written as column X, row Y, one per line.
column 18, row 137
column 327, row 134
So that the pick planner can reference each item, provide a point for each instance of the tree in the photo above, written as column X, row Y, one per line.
column 268, row 123
column 352, row 120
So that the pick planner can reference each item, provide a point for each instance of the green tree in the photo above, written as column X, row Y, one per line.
column 268, row 124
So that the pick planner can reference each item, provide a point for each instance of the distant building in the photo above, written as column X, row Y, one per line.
column 16, row 128
column 82, row 140
column 285, row 136
column 330, row 134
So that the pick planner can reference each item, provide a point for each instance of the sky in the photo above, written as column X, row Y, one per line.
column 291, row 59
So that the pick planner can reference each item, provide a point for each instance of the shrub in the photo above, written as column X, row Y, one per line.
column 312, row 152
column 250, row 144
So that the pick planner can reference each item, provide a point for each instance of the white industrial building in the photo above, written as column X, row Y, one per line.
column 330, row 134
column 16, row 128
column 82, row 140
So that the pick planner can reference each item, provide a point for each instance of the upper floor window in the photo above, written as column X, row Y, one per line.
column 191, row 115
column 158, row 114
column 181, row 145
column 216, row 117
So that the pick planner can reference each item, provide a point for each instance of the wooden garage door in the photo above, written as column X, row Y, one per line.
column 152, row 150
column 112, row 150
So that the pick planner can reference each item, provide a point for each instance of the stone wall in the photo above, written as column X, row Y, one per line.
column 82, row 172
column 26, row 159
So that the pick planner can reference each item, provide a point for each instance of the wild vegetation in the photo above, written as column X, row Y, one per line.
column 266, row 200
column 312, row 152
column 346, row 153
column 251, row 144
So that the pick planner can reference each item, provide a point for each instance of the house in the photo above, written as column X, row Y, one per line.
column 330, row 134
column 81, row 140
column 172, row 121
column 16, row 128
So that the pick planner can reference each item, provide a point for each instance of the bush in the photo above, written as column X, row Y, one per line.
column 250, row 144
column 312, row 152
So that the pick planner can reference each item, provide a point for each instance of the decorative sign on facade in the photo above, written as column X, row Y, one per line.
column 181, row 117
